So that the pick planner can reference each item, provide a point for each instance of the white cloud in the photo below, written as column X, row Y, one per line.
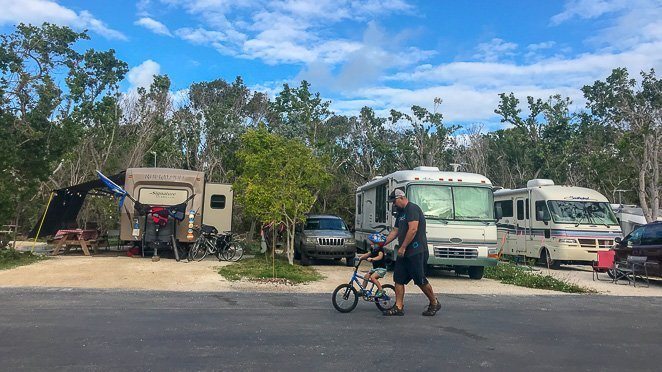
column 495, row 50
column 283, row 31
column 628, row 22
column 154, row 26
column 541, row 46
column 142, row 76
column 39, row 11
column 587, row 9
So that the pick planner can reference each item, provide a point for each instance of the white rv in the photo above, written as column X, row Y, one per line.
column 556, row 224
column 458, row 208
column 629, row 217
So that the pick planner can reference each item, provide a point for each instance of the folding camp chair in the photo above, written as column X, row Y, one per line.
column 604, row 264
column 638, row 268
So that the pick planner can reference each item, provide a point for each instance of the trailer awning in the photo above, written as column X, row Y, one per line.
column 65, row 204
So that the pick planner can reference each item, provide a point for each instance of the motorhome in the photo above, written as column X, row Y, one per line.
column 206, row 202
column 458, row 208
column 554, row 224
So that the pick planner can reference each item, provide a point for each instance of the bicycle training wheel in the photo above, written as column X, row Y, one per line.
column 345, row 298
column 387, row 301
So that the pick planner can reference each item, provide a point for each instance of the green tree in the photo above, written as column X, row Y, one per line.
column 49, row 94
column 279, row 180
column 636, row 109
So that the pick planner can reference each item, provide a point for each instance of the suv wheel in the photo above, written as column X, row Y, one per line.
column 349, row 260
column 305, row 260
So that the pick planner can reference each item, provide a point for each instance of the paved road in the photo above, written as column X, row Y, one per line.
column 110, row 330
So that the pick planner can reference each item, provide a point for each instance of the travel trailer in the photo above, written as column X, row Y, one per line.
column 458, row 208
column 555, row 224
column 629, row 217
column 205, row 202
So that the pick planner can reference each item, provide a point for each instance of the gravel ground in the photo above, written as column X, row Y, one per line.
column 116, row 271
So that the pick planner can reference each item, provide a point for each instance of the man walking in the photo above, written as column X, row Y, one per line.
column 412, row 253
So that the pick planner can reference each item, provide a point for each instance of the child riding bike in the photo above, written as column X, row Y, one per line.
column 376, row 256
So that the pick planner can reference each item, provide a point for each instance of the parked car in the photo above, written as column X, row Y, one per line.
column 645, row 240
column 324, row 236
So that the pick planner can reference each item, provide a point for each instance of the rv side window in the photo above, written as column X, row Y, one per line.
column 217, row 202
column 520, row 209
column 359, row 204
column 526, row 209
column 506, row 207
column 541, row 210
column 380, row 204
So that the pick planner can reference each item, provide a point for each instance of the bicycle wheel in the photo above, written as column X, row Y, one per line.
column 199, row 250
column 234, row 252
column 345, row 298
column 387, row 301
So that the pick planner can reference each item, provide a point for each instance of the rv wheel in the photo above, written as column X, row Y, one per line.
column 547, row 261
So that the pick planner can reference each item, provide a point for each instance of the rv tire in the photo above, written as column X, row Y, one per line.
column 547, row 261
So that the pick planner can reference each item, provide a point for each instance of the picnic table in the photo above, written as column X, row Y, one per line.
column 76, row 237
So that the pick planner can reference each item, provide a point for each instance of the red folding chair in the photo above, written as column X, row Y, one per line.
column 605, row 263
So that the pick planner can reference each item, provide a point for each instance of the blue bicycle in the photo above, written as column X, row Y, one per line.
column 346, row 296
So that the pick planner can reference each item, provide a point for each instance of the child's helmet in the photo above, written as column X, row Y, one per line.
column 377, row 238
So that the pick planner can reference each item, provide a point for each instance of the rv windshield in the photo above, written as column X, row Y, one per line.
column 464, row 203
column 579, row 212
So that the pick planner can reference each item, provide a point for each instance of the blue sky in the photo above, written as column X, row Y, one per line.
column 384, row 54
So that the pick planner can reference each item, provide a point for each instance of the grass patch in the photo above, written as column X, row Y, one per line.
column 261, row 269
column 10, row 258
column 509, row 273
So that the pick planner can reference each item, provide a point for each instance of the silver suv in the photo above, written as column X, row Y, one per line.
column 324, row 236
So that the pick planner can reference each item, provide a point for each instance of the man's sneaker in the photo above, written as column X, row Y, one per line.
column 394, row 311
column 432, row 309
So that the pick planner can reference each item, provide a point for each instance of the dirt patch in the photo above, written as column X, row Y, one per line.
column 116, row 271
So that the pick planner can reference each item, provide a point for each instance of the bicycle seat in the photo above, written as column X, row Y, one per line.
column 208, row 230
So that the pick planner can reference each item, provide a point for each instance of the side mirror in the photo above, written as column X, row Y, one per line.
column 498, row 212
column 543, row 216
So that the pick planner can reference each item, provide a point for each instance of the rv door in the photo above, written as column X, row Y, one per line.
column 521, row 226
column 217, row 209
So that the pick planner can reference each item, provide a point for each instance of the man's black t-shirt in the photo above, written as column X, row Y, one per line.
column 412, row 212
column 374, row 252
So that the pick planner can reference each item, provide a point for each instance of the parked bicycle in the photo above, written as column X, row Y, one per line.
column 225, row 246
column 346, row 296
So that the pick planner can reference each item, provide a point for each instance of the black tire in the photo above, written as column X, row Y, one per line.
column 345, row 298
column 384, row 304
column 305, row 260
column 476, row 272
column 349, row 260
column 547, row 261
column 234, row 252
